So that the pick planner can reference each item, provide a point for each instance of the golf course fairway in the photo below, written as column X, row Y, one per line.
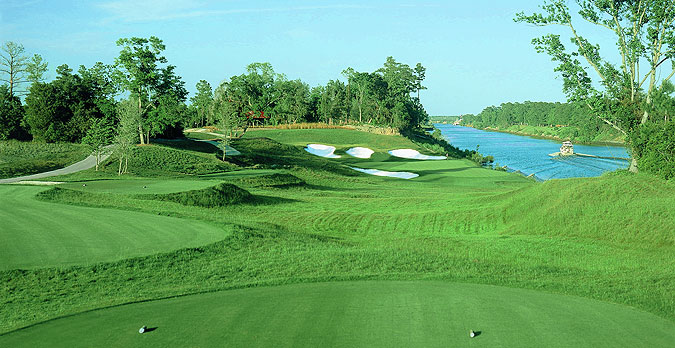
column 41, row 234
column 362, row 313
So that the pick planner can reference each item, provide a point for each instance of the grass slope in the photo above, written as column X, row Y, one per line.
column 40, row 234
column 358, row 314
column 18, row 158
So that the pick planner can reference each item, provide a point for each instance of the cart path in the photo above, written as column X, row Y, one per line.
column 84, row 164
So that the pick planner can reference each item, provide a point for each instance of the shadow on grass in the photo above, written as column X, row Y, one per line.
column 188, row 144
column 269, row 200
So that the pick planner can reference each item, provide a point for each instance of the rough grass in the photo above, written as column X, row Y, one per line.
column 171, row 159
column 278, row 180
column 618, row 207
column 18, row 158
column 217, row 196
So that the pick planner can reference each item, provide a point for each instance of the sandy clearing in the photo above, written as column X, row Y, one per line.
column 322, row 150
column 414, row 154
column 360, row 152
column 400, row 175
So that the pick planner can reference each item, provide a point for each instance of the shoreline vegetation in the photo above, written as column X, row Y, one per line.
column 540, row 132
column 555, row 121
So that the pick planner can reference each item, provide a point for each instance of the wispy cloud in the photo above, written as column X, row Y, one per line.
column 162, row 10
column 18, row 3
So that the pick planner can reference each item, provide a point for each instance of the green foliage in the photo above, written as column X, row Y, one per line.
column 19, row 158
column 382, row 98
column 654, row 147
column 622, row 95
column 11, row 114
column 159, row 92
column 435, row 143
column 64, row 109
column 564, row 121
column 36, row 69
column 217, row 196
column 202, row 104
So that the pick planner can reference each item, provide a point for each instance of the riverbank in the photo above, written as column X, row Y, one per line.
column 530, row 155
column 554, row 133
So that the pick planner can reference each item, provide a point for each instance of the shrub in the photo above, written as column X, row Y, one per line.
column 654, row 146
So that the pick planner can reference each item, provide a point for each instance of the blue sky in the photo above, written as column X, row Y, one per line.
column 475, row 55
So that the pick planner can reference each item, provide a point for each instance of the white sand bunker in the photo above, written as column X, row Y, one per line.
column 400, row 175
column 322, row 150
column 414, row 154
column 360, row 152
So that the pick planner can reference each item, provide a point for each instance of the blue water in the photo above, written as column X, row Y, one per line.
column 530, row 155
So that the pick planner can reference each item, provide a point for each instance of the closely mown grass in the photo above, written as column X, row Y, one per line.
column 18, row 158
column 608, row 238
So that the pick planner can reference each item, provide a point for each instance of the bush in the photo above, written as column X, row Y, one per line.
column 653, row 145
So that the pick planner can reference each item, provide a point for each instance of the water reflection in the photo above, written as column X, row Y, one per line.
column 530, row 155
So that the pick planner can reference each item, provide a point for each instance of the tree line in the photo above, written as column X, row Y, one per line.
column 140, row 96
column 575, row 121
column 385, row 97
column 76, row 104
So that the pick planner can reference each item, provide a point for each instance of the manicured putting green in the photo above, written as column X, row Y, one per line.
column 358, row 314
column 39, row 234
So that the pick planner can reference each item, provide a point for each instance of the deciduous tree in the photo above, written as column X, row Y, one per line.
column 621, row 95
column 13, row 66
column 11, row 114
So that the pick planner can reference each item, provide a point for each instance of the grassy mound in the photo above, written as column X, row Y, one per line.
column 36, row 233
column 18, row 158
column 359, row 314
column 154, row 160
column 618, row 207
column 216, row 196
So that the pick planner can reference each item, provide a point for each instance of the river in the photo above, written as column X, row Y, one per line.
column 530, row 155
